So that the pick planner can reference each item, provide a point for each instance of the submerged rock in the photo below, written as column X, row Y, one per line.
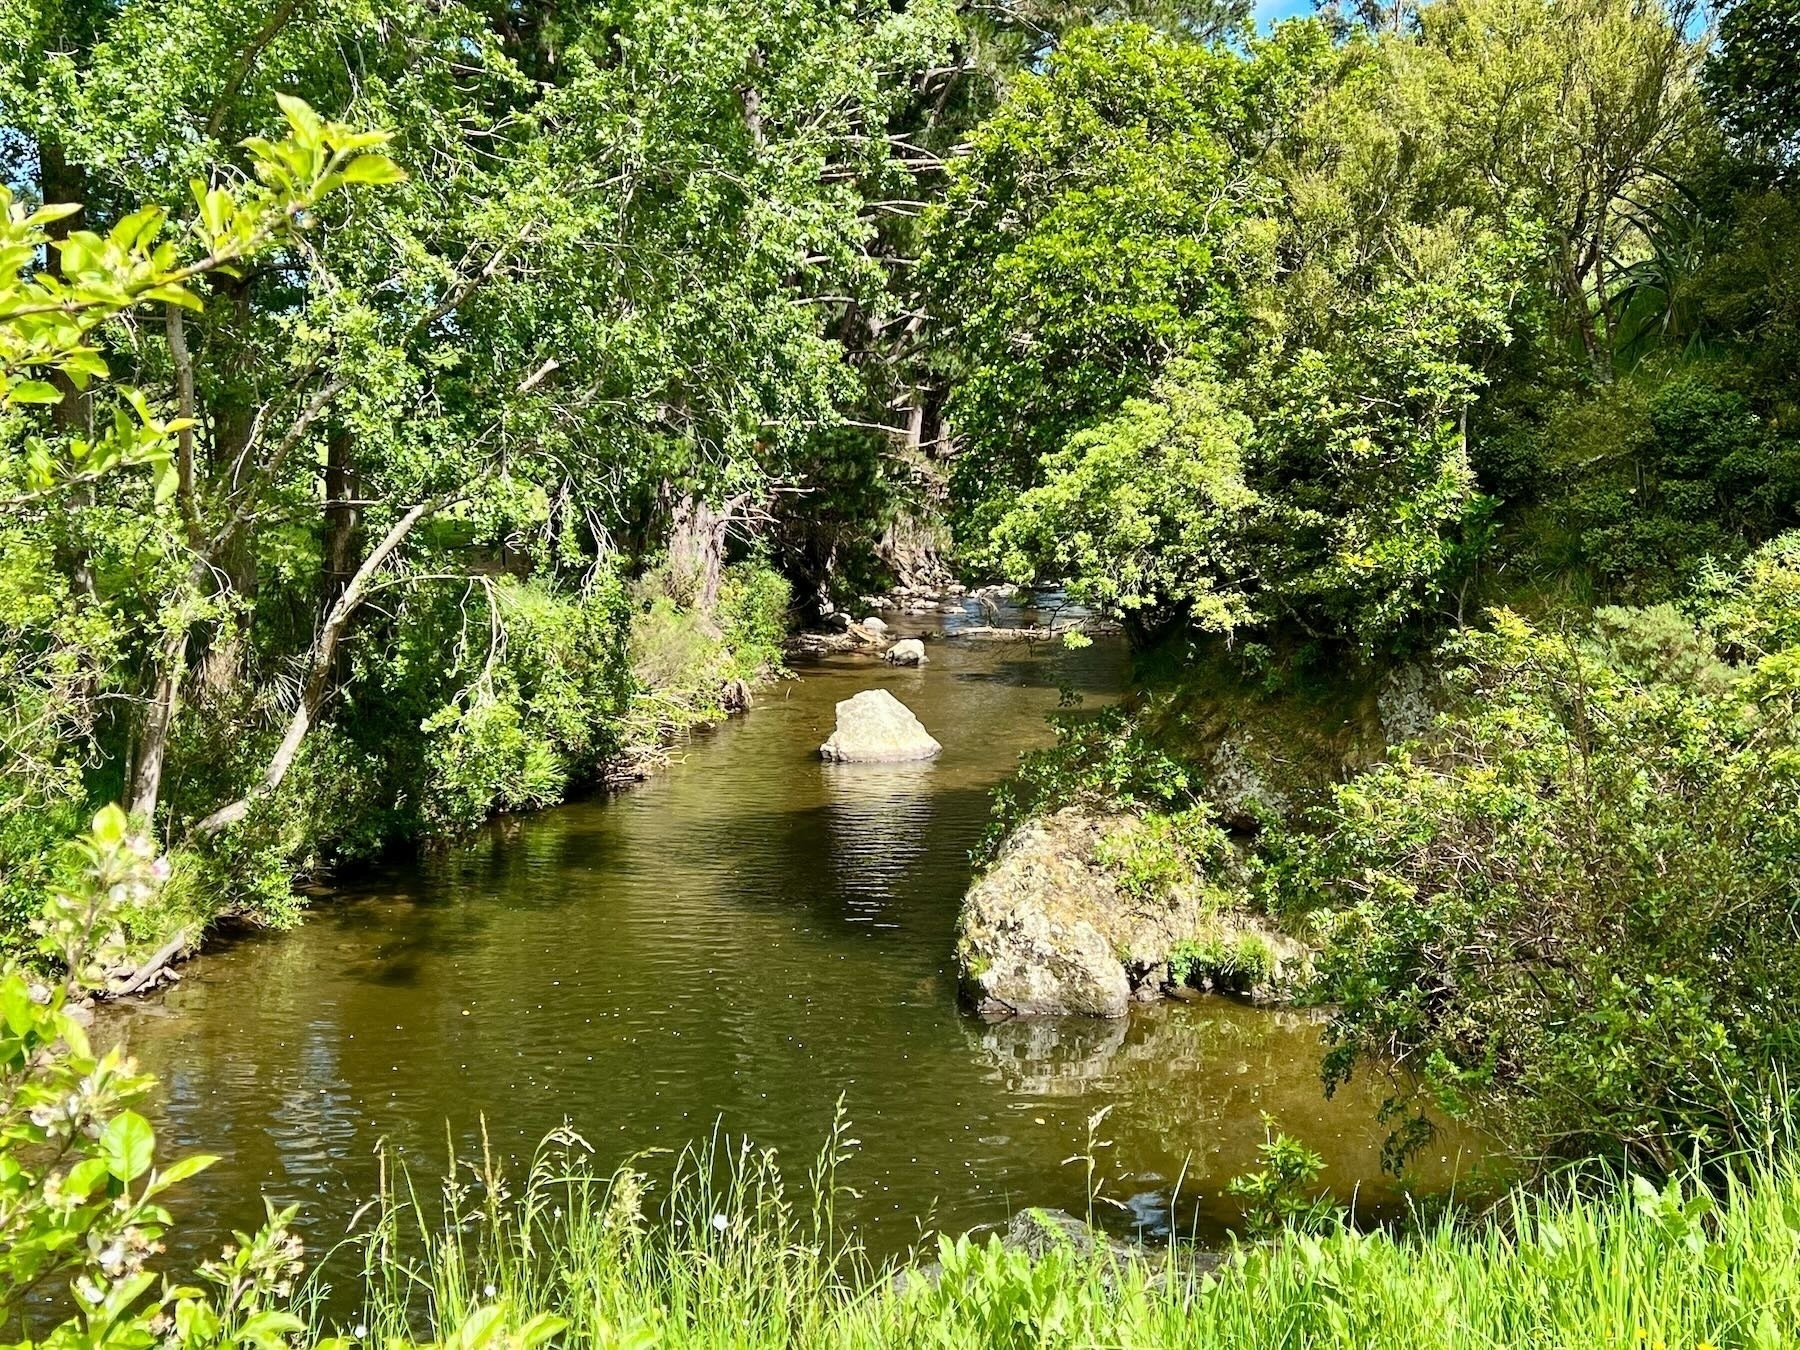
column 906, row 652
column 874, row 727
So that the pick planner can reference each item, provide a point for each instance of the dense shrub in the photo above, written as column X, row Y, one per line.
column 1665, row 474
column 1571, row 910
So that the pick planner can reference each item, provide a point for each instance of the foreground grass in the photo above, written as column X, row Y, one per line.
column 721, row 1254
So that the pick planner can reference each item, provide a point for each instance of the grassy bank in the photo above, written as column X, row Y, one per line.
column 719, row 1253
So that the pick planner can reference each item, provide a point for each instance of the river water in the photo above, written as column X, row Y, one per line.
column 736, row 943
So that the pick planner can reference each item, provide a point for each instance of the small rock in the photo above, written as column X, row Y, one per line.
column 735, row 697
column 906, row 652
column 875, row 625
column 876, row 728
column 1038, row 1232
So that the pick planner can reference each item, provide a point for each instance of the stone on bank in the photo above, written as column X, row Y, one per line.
column 874, row 727
column 1048, row 931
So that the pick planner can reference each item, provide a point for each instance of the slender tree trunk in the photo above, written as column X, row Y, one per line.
column 159, row 724
column 342, row 514
column 320, row 663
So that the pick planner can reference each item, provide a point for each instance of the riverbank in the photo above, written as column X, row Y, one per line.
column 506, row 753
column 727, row 1258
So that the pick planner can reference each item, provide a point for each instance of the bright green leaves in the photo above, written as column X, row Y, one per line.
column 1569, row 905
column 1148, row 510
column 78, row 1188
column 51, row 320
column 314, row 159
column 1099, row 229
column 127, row 1144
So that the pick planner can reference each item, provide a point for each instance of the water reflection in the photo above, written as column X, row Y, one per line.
column 1190, row 1086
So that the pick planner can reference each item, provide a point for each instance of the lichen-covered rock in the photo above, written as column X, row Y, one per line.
column 1408, row 702
column 906, row 652
column 1047, row 931
column 874, row 727
column 1241, row 784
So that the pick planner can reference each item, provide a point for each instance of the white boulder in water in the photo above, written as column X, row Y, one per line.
column 906, row 652
column 877, row 728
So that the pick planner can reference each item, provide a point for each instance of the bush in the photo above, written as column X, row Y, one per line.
column 81, row 1210
column 1667, row 472
column 1236, row 963
column 1107, row 761
column 1568, row 913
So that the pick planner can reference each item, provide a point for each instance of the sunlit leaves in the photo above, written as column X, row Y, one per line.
column 50, row 318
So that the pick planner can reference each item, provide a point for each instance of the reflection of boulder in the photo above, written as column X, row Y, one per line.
column 1050, row 1056
column 1047, row 930
column 876, row 728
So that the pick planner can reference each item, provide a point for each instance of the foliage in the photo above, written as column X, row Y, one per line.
column 1104, row 760
column 81, row 1212
column 407, row 465
column 1665, row 474
column 1236, row 963
column 1276, row 1196
column 1566, row 911
column 1755, row 78
column 1635, row 1263
column 1272, row 422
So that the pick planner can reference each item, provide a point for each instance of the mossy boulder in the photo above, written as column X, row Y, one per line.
column 1057, row 926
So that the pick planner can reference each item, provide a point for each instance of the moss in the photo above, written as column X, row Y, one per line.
column 1237, row 962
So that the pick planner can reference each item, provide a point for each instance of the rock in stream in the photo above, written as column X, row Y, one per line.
column 874, row 727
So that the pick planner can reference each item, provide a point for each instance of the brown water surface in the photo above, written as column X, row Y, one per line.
column 739, row 941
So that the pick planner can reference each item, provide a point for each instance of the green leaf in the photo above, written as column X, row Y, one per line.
column 84, row 1176
column 33, row 391
column 110, row 825
column 128, row 1144
column 373, row 169
column 300, row 117
column 187, row 1167
column 268, row 1328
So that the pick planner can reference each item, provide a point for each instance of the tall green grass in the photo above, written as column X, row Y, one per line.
column 721, row 1254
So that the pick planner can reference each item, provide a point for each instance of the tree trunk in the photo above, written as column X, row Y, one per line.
column 319, row 666
column 697, row 551
column 159, row 725
column 342, row 514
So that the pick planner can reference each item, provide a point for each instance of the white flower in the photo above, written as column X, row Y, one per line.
column 359, row 1331
column 488, row 1291
column 720, row 1222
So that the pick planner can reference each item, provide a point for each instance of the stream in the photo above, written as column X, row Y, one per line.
column 736, row 943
